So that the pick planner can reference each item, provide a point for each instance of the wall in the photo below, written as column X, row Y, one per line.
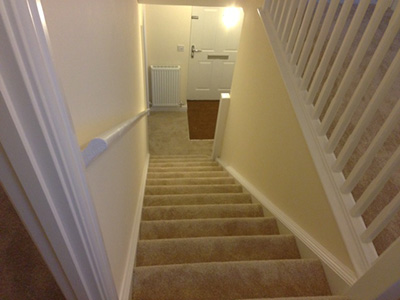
column 264, row 143
column 96, row 46
column 166, row 27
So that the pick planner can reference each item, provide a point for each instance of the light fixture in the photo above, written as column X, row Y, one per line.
column 231, row 16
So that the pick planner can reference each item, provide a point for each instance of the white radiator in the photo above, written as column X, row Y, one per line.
column 165, row 85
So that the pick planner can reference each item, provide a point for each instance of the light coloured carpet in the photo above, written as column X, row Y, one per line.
column 201, row 237
column 169, row 135
column 23, row 272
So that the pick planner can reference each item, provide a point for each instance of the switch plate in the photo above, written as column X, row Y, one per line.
column 180, row 48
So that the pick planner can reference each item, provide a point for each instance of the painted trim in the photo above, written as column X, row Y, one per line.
column 344, row 272
column 382, row 280
column 48, row 162
column 182, row 108
column 101, row 143
column 126, row 289
column 361, row 254
column 221, row 124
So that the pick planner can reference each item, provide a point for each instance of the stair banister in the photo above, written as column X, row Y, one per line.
column 101, row 143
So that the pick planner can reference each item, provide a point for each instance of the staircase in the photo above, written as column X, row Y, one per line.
column 201, row 237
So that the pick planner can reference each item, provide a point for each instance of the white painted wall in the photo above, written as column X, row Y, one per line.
column 166, row 27
column 97, row 51
column 264, row 143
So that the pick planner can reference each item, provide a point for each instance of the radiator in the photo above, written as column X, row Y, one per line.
column 165, row 85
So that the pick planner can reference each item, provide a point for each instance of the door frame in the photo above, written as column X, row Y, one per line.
column 42, row 162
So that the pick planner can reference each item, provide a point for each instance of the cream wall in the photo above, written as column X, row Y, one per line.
column 166, row 27
column 264, row 142
column 97, row 50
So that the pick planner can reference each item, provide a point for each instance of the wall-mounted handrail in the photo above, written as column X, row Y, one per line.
column 101, row 143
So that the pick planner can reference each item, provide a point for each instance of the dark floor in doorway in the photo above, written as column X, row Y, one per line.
column 202, row 118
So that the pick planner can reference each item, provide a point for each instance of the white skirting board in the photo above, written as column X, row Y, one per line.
column 168, row 108
column 126, row 288
column 327, row 258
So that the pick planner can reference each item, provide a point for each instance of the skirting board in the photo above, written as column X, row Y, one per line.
column 342, row 271
column 169, row 108
column 126, row 288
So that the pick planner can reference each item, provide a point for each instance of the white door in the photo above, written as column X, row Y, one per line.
column 215, row 34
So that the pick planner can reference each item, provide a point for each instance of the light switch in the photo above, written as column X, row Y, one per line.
column 180, row 48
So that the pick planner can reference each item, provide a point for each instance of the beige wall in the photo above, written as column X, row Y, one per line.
column 97, row 51
column 166, row 27
column 264, row 143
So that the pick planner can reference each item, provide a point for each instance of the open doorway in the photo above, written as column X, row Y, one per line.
column 203, row 41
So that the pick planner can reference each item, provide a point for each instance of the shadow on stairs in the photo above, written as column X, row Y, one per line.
column 201, row 237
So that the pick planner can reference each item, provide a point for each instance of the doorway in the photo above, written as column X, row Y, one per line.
column 214, row 41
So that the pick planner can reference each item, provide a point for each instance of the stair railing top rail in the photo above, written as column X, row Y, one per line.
column 99, row 144
column 341, row 66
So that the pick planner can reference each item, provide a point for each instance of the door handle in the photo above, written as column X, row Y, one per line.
column 194, row 50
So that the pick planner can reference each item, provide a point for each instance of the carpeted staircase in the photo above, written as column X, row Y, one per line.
column 201, row 237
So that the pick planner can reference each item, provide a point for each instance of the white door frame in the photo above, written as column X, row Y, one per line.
column 41, row 154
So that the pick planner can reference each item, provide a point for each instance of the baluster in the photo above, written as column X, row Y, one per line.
column 289, row 21
column 319, row 44
column 368, row 76
column 381, row 220
column 358, row 56
column 365, row 161
column 296, row 26
column 321, row 70
column 369, row 113
column 278, row 13
column 355, row 63
column 341, row 56
column 267, row 5
column 309, row 43
column 274, row 4
column 376, row 185
column 283, row 17
column 303, row 31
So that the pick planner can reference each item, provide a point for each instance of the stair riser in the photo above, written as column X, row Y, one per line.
column 173, row 160
column 190, row 181
column 185, row 169
column 175, row 175
column 183, row 164
column 210, row 227
column 202, row 212
column 161, row 200
column 196, row 250
column 200, row 189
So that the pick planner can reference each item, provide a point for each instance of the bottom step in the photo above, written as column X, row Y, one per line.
column 231, row 280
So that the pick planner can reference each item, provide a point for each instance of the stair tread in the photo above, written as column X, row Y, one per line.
column 231, row 280
column 185, row 169
column 196, row 199
column 207, row 227
column 176, row 175
column 190, row 181
column 213, row 249
column 202, row 211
